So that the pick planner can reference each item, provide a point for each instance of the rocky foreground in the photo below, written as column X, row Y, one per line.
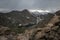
column 50, row 31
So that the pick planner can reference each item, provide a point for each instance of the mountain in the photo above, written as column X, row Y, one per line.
column 24, row 18
column 17, row 18
column 42, row 17
column 40, row 12
column 48, row 29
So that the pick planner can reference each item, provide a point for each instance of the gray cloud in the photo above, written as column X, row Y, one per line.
column 30, row 4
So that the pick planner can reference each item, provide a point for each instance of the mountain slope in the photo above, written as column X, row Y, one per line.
column 14, row 18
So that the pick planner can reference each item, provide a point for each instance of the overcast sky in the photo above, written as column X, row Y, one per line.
column 30, row 4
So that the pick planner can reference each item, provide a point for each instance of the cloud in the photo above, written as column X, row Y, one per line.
column 30, row 4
